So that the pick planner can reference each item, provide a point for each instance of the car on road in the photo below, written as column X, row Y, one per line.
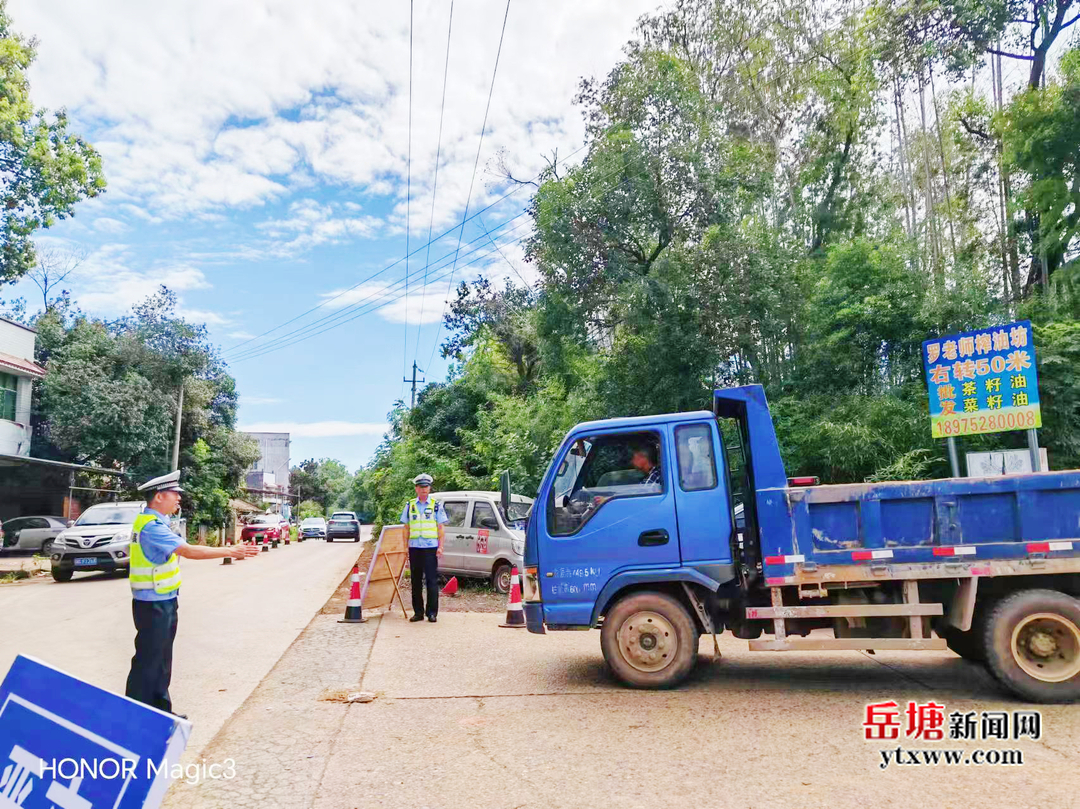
column 312, row 527
column 32, row 533
column 343, row 524
column 479, row 540
column 99, row 540
column 262, row 528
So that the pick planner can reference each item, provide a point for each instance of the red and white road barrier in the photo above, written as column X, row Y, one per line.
column 515, row 613
column 451, row 587
column 353, row 613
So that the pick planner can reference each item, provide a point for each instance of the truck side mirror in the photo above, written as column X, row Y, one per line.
column 504, row 493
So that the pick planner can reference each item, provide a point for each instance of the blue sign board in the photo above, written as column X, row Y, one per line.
column 982, row 381
column 66, row 744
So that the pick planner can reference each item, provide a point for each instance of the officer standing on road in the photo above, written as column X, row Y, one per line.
column 155, row 585
column 425, row 518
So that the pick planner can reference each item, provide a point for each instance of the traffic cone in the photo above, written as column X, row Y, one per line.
column 451, row 587
column 515, row 613
column 227, row 560
column 353, row 613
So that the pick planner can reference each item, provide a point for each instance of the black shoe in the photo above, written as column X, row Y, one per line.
column 416, row 618
column 432, row 618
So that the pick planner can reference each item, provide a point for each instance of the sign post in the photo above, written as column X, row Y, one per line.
column 983, row 382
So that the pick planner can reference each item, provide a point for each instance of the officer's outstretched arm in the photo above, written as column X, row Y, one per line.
column 204, row 552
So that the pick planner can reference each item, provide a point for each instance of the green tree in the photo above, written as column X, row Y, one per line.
column 44, row 169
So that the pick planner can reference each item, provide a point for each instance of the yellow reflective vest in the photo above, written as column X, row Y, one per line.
column 420, row 526
column 145, row 575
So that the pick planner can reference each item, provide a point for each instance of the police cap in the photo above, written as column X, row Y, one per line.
column 423, row 479
column 165, row 483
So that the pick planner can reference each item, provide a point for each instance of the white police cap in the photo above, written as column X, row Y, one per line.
column 423, row 479
column 165, row 483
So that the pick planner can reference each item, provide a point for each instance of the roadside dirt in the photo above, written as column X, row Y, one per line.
column 473, row 595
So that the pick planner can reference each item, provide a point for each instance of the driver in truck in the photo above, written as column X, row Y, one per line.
column 644, row 460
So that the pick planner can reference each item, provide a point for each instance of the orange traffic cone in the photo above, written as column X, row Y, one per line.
column 451, row 587
column 515, row 613
column 353, row 613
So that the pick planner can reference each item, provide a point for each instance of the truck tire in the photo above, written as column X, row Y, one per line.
column 649, row 640
column 969, row 645
column 1032, row 642
column 61, row 575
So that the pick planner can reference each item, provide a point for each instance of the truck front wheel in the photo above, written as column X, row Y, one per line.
column 1033, row 645
column 649, row 640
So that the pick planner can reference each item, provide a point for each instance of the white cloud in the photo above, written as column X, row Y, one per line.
column 202, row 316
column 110, row 226
column 240, row 335
column 318, row 429
column 198, row 105
column 310, row 224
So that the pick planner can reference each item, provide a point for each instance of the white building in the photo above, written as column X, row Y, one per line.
column 268, row 477
column 17, row 374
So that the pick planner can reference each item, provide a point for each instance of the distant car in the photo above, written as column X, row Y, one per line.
column 285, row 528
column 312, row 527
column 32, row 533
column 263, row 528
column 343, row 524
column 99, row 540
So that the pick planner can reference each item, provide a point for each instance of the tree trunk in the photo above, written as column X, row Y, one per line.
column 944, row 168
column 1006, row 191
column 905, row 183
column 931, row 219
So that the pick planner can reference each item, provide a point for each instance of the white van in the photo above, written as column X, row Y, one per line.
column 479, row 541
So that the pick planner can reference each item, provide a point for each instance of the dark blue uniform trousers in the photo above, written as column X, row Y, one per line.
column 151, row 667
column 424, row 564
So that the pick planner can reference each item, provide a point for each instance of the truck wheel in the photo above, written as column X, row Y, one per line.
column 649, row 640
column 1032, row 644
column 501, row 578
column 61, row 575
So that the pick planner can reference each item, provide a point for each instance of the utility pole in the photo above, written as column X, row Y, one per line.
column 413, row 380
column 176, row 438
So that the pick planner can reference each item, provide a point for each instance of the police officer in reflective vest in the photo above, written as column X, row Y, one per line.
column 155, row 585
column 424, row 517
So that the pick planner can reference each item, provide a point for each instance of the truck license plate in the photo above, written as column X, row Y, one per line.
column 82, row 561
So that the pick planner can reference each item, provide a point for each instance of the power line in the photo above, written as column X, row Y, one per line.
column 408, row 198
column 394, row 263
column 435, row 182
column 283, row 341
column 381, row 301
column 476, row 163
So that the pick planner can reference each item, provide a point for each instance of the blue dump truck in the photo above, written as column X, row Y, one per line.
column 659, row 529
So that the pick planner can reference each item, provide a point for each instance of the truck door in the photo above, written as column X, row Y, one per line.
column 609, row 508
column 701, row 498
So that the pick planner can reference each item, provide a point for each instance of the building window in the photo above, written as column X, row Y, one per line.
column 9, row 391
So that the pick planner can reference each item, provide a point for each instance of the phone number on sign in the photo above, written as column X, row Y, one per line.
column 965, row 425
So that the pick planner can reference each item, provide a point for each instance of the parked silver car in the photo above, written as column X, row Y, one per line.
column 32, row 533
column 479, row 541
column 99, row 540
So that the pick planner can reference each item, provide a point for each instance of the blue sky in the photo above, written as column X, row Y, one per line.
column 257, row 154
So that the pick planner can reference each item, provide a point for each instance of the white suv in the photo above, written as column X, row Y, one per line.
column 99, row 540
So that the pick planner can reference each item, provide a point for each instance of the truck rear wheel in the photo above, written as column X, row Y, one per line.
column 1033, row 645
column 649, row 640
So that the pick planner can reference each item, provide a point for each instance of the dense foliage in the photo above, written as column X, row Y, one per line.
column 791, row 194
column 110, row 394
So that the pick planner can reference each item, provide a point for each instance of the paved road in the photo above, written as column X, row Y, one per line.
column 470, row 714
column 235, row 623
